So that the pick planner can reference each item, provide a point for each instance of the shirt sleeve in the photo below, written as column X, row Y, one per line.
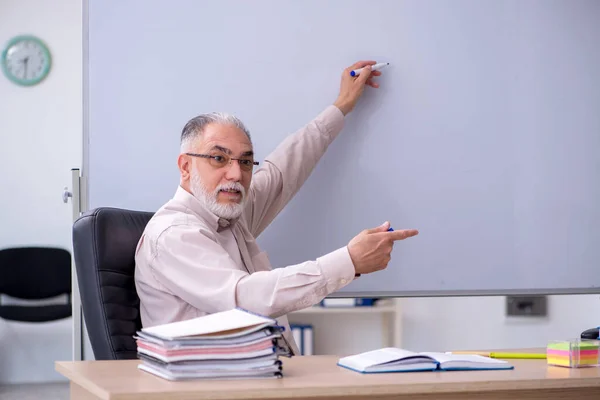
column 287, row 168
column 193, row 267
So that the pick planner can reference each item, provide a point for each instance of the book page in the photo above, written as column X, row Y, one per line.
column 378, row 357
column 468, row 358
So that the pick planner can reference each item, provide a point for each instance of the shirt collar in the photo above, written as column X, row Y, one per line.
column 191, row 202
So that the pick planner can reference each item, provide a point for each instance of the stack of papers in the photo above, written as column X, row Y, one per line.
column 233, row 344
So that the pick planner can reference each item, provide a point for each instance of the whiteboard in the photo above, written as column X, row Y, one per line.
column 484, row 135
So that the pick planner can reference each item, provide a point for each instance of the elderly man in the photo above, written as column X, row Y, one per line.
column 198, row 254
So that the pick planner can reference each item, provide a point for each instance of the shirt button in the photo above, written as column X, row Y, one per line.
column 343, row 281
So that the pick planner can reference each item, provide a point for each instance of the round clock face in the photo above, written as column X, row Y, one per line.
column 26, row 60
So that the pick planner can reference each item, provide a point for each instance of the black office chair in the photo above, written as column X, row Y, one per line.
column 35, row 273
column 104, row 243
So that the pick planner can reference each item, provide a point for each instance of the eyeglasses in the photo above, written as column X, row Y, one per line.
column 222, row 160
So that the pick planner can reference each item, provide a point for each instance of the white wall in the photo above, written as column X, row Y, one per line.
column 40, row 141
column 455, row 323
column 480, row 322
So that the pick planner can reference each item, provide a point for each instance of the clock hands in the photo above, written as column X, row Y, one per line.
column 25, row 61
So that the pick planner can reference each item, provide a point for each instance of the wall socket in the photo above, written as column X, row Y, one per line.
column 527, row 306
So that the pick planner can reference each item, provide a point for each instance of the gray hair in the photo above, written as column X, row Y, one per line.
column 195, row 127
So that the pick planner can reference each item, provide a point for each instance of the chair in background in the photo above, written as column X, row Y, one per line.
column 35, row 273
column 104, row 243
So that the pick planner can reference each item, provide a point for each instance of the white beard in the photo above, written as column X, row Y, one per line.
column 227, row 211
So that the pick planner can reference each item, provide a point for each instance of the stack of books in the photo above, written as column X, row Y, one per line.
column 232, row 344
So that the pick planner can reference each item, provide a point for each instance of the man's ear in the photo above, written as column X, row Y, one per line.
column 184, row 164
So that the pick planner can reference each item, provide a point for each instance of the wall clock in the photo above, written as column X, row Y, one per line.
column 26, row 60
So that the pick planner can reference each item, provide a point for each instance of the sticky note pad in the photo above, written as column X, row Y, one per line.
column 573, row 353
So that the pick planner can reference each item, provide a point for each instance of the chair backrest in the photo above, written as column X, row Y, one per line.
column 104, row 243
column 35, row 273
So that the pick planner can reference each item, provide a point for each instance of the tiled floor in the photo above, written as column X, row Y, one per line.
column 46, row 391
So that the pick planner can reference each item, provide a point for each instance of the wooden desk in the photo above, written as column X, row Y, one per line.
column 318, row 377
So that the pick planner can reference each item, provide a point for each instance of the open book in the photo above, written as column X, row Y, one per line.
column 392, row 359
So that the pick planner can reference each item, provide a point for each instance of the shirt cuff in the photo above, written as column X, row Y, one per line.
column 331, row 121
column 337, row 268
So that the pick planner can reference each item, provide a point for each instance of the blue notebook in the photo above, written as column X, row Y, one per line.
column 391, row 359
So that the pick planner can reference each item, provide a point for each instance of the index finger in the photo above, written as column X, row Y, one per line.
column 361, row 64
column 402, row 234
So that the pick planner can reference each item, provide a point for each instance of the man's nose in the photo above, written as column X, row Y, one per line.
column 234, row 172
